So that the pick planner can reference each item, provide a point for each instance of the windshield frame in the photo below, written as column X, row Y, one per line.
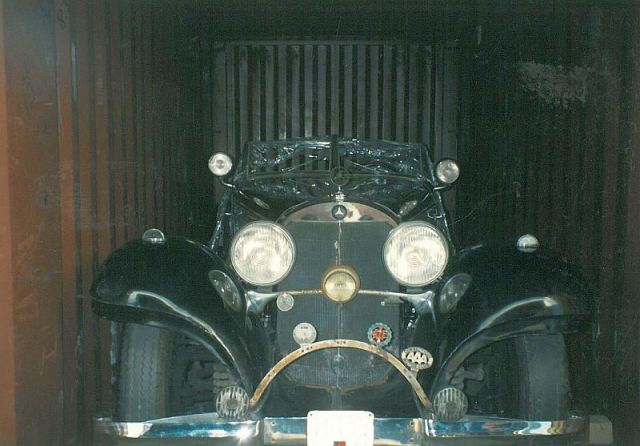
column 415, row 158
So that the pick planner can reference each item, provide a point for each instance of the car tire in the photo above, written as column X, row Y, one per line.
column 161, row 373
column 143, row 378
column 543, row 377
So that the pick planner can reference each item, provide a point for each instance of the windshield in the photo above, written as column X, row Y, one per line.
column 352, row 157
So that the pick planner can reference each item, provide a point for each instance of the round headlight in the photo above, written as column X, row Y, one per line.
column 262, row 253
column 416, row 253
column 340, row 284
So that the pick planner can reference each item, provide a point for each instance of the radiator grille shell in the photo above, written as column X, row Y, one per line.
column 319, row 245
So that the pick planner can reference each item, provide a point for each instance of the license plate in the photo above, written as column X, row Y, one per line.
column 339, row 428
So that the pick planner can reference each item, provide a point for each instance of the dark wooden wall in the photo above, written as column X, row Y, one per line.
column 284, row 89
column 93, row 130
column 550, row 147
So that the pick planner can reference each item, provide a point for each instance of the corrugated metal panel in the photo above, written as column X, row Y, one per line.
column 285, row 89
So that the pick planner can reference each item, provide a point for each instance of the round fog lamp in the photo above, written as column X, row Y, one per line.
column 340, row 284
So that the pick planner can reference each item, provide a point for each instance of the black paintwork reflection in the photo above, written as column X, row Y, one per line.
column 168, row 284
column 512, row 293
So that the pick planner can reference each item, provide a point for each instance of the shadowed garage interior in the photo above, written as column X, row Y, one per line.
column 110, row 109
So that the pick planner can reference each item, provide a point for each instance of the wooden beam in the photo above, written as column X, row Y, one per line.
column 7, row 338
column 31, row 143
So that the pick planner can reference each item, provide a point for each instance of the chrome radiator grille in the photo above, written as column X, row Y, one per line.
column 320, row 245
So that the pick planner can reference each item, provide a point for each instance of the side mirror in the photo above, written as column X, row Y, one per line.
column 220, row 164
column 447, row 173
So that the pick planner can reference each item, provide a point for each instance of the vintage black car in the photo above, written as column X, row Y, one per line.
column 331, row 306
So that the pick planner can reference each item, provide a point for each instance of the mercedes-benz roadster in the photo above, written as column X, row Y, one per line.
column 331, row 307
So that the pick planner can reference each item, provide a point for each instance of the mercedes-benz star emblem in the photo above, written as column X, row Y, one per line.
column 339, row 212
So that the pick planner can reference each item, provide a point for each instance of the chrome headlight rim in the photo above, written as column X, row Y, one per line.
column 403, row 226
column 277, row 228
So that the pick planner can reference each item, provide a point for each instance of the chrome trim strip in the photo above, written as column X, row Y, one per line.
column 206, row 425
column 422, row 302
column 293, row 430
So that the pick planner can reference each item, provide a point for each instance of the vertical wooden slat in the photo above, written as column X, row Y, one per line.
column 283, row 81
column 170, row 114
column 295, row 54
column 8, row 421
column 347, row 93
column 255, row 72
column 438, row 103
column 102, row 179
column 308, row 90
column 387, row 89
column 269, row 96
column 322, row 90
column 104, row 187
column 361, row 71
column 231, row 111
column 220, row 97
column 207, row 84
column 427, row 120
column 374, row 57
column 68, row 174
column 86, row 137
column 400, row 93
column 157, row 72
column 147, row 147
column 414, row 80
column 163, row 150
column 128, row 117
column 335, row 91
column 449, row 84
column 181, row 113
column 118, row 167
column 138, row 54
column 243, row 87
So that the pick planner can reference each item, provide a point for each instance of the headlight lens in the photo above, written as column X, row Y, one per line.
column 416, row 253
column 262, row 253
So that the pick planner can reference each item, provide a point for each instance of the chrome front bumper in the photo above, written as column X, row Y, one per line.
column 293, row 430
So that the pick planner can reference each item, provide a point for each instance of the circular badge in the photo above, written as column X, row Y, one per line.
column 285, row 302
column 339, row 212
column 304, row 334
column 379, row 334
column 417, row 358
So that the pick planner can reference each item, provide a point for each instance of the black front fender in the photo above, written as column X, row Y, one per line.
column 512, row 293
column 168, row 285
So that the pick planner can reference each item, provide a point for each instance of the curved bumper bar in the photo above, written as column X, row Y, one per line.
column 293, row 430
column 340, row 343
